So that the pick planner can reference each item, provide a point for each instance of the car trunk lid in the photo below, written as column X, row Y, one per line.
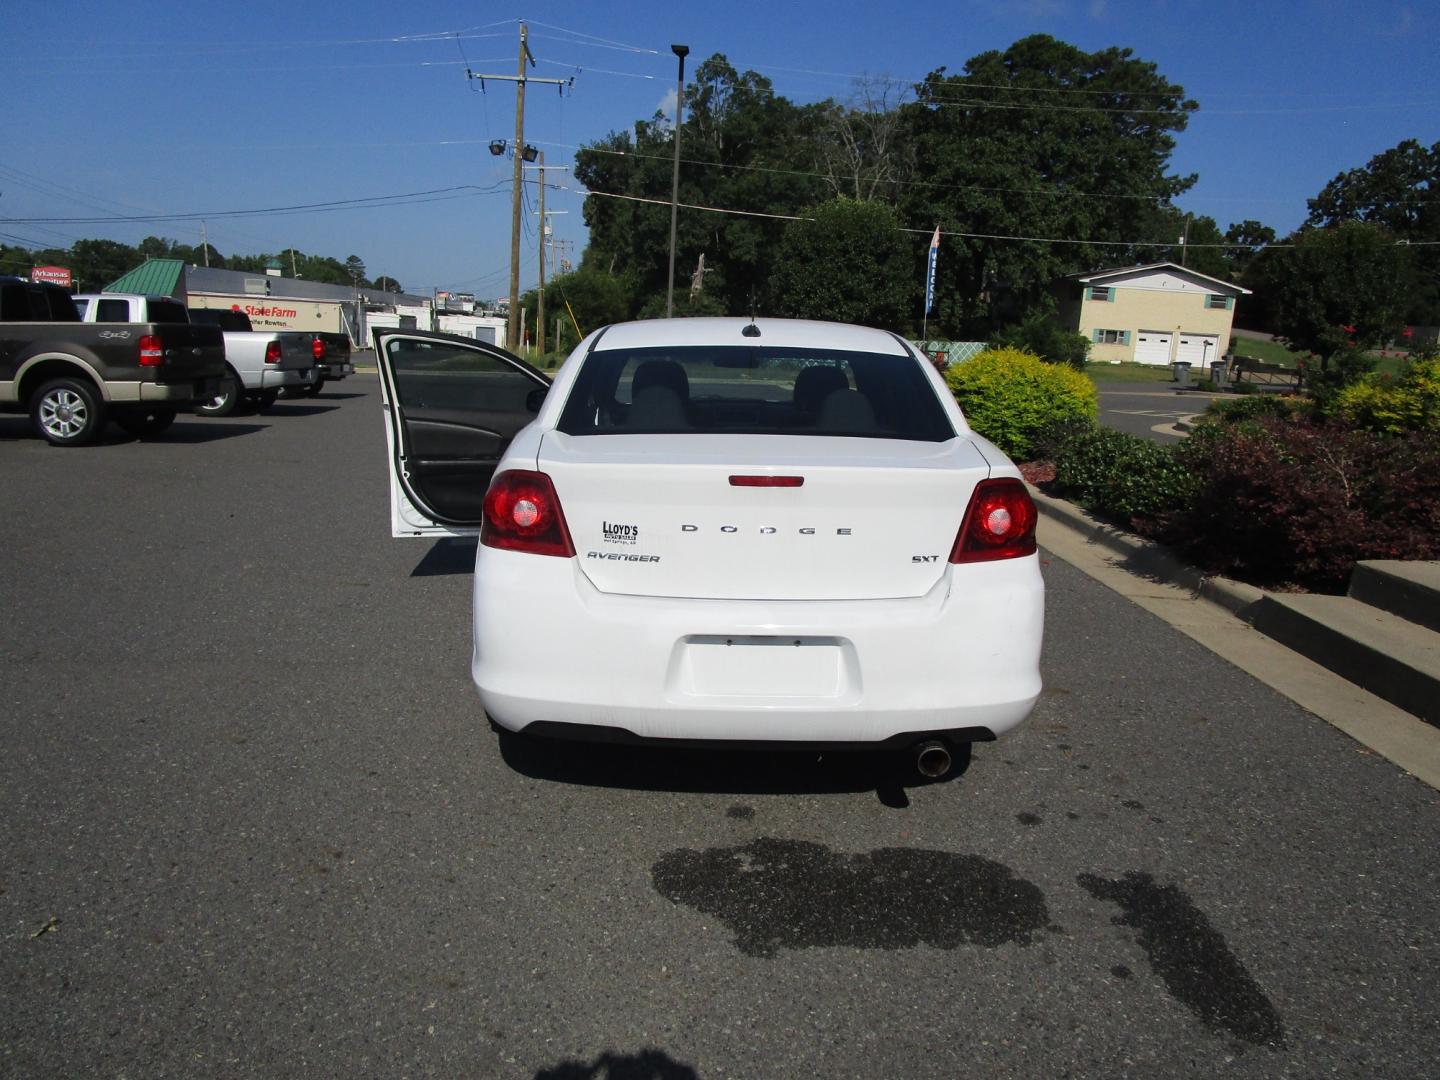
column 660, row 515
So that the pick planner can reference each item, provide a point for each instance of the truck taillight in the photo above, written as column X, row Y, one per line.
column 317, row 349
column 999, row 523
column 522, row 513
column 152, row 350
column 272, row 352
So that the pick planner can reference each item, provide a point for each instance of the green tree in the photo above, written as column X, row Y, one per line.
column 385, row 283
column 850, row 263
column 744, row 148
column 1041, row 140
column 1399, row 190
column 1338, row 292
column 1041, row 335
column 96, row 263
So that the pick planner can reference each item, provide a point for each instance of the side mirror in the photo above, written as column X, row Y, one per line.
column 535, row 399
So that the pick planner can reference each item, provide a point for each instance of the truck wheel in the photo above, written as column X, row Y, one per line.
column 313, row 390
column 68, row 412
column 232, row 392
column 142, row 423
column 265, row 399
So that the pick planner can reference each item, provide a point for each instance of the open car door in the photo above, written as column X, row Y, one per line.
column 452, row 406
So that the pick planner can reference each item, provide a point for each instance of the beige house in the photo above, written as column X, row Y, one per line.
column 1154, row 314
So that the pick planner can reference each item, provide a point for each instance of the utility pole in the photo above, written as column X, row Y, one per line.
column 543, row 214
column 521, row 153
column 204, row 242
column 681, row 51
column 540, row 304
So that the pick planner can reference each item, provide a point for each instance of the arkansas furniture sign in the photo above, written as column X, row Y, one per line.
column 52, row 275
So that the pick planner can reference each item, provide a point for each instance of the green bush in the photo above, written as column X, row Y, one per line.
column 1047, row 339
column 1008, row 396
column 1228, row 412
column 1393, row 406
column 1122, row 477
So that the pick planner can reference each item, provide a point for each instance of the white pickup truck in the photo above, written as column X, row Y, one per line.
column 258, row 363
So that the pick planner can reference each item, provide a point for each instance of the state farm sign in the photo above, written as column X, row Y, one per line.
column 51, row 275
column 276, row 314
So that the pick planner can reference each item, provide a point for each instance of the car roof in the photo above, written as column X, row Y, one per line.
column 782, row 333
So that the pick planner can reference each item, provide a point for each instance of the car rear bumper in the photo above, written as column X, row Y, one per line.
column 176, row 392
column 551, row 650
column 335, row 370
column 275, row 378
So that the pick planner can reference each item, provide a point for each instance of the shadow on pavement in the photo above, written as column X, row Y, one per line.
column 647, row 1065
column 195, row 431
column 447, row 556
column 720, row 771
column 200, row 431
column 290, row 408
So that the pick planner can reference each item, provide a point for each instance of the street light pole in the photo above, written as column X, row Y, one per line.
column 681, row 51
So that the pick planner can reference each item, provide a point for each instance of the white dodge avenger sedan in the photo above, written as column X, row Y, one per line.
column 770, row 532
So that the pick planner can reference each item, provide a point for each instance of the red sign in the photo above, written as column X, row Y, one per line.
column 51, row 275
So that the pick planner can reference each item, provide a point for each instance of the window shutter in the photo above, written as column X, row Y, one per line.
column 1097, row 336
column 1124, row 337
column 1110, row 295
column 1229, row 303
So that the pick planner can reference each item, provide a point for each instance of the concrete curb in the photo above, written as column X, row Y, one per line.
column 1151, row 559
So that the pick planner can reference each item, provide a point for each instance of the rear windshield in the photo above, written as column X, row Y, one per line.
column 754, row 390
column 225, row 320
column 168, row 311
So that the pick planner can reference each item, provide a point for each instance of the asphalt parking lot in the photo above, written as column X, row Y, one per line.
column 256, row 825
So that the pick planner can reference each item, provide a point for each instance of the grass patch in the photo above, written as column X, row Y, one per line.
column 1271, row 352
column 1131, row 373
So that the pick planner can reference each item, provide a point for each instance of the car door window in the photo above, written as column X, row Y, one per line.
column 431, row 374
column 456, row 407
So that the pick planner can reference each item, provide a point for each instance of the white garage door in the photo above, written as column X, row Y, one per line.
column 1152, row 347
column 1199, row 349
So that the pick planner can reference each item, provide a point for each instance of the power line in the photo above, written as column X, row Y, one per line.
column 398, row 199
column 693, row 206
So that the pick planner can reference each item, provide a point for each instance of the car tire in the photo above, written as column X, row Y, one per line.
column 68, row 412
column 227, row 400
column 313, row 390
column 143, row 423
column 265, row 399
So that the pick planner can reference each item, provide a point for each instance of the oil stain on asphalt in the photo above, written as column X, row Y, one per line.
column 794, row 894
column 1191, row 957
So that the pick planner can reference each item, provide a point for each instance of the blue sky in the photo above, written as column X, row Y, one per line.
column 206, row 107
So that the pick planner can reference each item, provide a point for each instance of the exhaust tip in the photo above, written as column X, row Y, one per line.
column 932, row 759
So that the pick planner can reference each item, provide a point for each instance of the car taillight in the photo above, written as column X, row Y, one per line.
column 522, row 513
column 152, row 350
column 272, row 352
column 999, row 523
column 317, row 349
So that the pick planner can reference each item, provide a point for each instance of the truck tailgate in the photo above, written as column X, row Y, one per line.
column 191, row 352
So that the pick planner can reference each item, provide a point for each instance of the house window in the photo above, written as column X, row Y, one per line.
column 1110, row 337
column 1219, row 303
column 1100, row 292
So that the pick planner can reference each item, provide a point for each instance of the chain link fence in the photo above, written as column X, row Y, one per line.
column 950, row 352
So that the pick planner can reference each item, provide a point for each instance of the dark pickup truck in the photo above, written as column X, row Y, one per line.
column 72, row 376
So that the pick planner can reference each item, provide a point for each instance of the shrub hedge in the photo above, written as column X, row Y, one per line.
column 1265, row 493
column 1299, row 502
column 1133, row 480
column 1009, row 395
column 1410, row 402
